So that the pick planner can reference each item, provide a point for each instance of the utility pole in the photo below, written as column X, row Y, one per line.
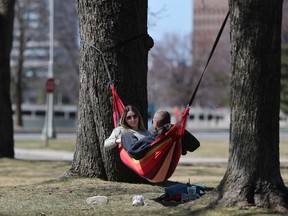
column 49, row 130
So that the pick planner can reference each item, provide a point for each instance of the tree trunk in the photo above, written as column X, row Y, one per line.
column 119, row 30
column 253, row 174
column 19, row 68
column 6, row 38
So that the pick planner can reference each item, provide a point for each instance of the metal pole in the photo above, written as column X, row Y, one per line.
column 49, row 130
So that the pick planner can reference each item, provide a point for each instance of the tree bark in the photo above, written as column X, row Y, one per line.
column 119, row 30
column 6, row 38
column 253, row 174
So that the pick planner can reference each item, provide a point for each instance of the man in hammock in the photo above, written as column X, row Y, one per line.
column 161, row 123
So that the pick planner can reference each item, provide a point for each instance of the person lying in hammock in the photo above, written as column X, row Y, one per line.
column 137, row 148
column 131, row 121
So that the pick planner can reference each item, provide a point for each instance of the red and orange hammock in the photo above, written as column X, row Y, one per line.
column 160, row 162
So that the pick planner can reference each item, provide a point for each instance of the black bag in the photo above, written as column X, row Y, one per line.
column 189, row 142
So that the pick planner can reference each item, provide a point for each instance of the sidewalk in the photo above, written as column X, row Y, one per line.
column 36, row 154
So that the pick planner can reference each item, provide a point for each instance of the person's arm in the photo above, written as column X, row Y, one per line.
column 111, row 142
column 128, row 139
column 138, row 149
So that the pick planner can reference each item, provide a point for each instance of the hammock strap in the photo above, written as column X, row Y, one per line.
column 103, row 60
column 210, row 55
column 111, row 48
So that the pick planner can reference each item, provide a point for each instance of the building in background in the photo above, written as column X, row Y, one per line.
column 30, row 52
column 208, row 16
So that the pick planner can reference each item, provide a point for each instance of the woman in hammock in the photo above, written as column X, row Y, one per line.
column 137, row 148
column 131, row 120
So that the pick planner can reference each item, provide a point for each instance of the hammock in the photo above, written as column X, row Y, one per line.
column 160, row 162
column 118, row 107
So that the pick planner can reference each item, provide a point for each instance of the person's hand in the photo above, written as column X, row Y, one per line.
column 118, row 140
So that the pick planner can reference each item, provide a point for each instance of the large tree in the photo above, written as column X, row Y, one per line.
column 119, row 30
column 6, row 38
column 253, row 174
column 284, row 61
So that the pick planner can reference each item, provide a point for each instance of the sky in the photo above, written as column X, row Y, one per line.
column 172, row 16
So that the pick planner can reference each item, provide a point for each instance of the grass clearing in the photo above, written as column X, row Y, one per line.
column 53, row 144
column 25, row 172
column 33, row 187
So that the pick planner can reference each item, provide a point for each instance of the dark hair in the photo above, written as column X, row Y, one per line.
column 123, row 121
column 162, row 117
column 162, row 130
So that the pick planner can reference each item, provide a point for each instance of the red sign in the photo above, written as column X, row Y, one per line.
column 50, row 85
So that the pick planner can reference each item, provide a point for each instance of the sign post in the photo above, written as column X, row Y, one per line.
column 48, row 130
column 50, row 85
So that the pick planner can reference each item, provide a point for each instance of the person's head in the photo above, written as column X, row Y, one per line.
column 161, row 117
column 131, row 118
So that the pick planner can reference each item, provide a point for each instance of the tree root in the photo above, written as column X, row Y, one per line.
column 69, row 174
column 271, row 198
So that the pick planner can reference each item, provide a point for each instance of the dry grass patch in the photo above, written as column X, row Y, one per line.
column 33, row 188
column 53, row 144
column 22, row 172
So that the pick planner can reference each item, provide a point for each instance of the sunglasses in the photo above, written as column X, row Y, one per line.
column 132, row 116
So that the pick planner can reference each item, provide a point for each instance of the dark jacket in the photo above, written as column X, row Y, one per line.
column 138, row 148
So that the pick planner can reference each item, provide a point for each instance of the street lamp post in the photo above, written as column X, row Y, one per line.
column 49, row 130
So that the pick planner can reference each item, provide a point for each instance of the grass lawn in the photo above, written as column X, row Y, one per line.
column 33, row 187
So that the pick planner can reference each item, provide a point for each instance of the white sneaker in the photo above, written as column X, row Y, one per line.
column 138, row 200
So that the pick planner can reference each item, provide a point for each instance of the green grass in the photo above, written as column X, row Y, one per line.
column 219, row 148
column 53, row 144
column 34, row 188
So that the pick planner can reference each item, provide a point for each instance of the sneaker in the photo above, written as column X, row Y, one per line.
column 138, row 200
